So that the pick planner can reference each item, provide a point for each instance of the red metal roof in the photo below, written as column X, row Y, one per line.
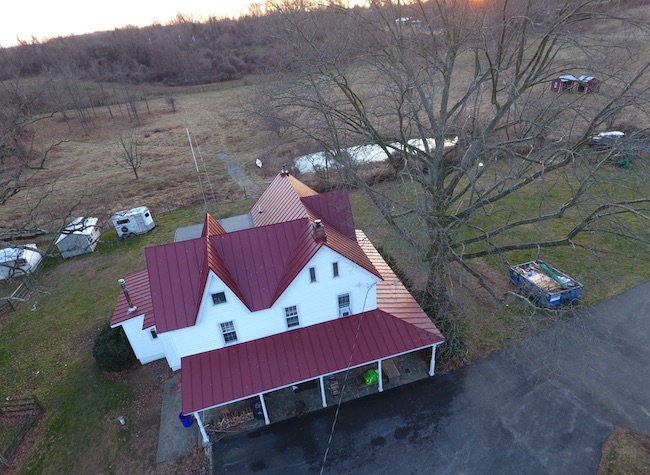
column 175, row 276
column 281, row 201
column 392, row 296
column 259, row 258
column 137, row 284
column 334, row 207
column 238, row 371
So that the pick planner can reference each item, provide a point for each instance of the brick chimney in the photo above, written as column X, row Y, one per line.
column 318, row 231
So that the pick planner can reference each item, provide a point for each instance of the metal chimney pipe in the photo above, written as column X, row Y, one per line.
column 132, row 307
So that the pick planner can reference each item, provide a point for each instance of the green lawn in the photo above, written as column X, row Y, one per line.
column 45, row 349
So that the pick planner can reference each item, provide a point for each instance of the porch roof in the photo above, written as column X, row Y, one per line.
column 228, row 374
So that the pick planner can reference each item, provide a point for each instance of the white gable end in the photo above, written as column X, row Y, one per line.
column 319, row 299
column 206, row 334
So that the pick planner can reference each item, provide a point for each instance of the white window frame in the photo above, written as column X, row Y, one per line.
column 153, row 334
column 344, row 310
column 291, row 313
column 223, row 326
column 312, row 274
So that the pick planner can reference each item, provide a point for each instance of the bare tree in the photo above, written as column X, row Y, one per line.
column 129, row 150
column 407, row 76
column 19, row 152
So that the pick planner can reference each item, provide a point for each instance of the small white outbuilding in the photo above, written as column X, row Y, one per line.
column 78, row 237
column 17, row 261
column 133, row 221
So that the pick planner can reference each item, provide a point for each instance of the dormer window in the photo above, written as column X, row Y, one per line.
column 335, row 269
column 344, row 305
column 219, row 297
column 312, row 274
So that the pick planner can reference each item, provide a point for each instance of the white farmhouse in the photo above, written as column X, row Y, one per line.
column 296, row 298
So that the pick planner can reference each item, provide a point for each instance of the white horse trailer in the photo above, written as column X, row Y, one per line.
column 78, row 237
column 133, row 221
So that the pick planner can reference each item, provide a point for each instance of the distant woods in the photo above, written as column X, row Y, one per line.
column 184, row 52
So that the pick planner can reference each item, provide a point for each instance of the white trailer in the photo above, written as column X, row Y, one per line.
column 133, row 221
column 17, row 261
column 78, row 237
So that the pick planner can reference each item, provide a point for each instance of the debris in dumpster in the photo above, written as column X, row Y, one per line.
column 545, row 284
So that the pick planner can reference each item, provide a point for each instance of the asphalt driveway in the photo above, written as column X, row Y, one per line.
column 543, row 407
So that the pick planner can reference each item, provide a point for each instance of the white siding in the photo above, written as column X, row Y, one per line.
column 317, row 302
column 145, row 347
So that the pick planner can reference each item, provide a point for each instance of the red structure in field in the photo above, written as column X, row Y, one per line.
column 580, row 84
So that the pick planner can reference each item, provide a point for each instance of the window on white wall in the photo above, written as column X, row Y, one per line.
column 219, row 297
column 344, row 305
column 292, row 316
column 228, row 332
column 154, row 335
column 335, row 269
column 312, row 274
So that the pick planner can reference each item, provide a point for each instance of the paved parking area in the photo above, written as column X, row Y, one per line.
column 542, row 407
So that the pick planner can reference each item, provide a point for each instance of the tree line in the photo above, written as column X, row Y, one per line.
column 186, row 51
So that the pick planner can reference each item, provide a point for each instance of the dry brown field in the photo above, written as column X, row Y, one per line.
column 81, row 176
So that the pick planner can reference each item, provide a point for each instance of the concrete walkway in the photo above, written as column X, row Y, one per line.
column 542, row 407
column 174, row 440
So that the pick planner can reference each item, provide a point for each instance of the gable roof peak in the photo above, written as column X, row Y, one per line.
column 211, row 226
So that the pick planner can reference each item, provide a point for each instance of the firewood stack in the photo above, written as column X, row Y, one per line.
column 232, row 419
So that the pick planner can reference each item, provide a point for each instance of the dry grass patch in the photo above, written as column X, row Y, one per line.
column 81, row 173
column 625, row 453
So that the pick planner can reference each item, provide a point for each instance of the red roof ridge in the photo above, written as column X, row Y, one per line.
column 211, row 226
column 214, row 262
column 299, row 187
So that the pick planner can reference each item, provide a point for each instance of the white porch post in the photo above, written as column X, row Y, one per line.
column 432, row 364
column 204, row 434
column 381, row 380
column 322, row 392
column 266, row 414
